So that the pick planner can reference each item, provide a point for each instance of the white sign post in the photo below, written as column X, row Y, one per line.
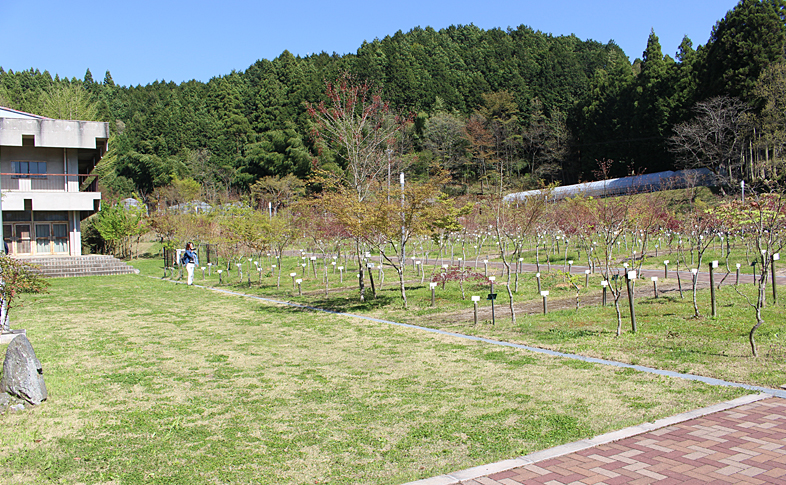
column 475, row 300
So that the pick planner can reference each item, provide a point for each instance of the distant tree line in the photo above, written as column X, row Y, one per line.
column 514, row 108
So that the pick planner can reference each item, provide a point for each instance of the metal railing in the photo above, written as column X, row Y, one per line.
column 50, row 182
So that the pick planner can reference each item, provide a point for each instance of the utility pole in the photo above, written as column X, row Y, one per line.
column 3, row 304
column 403, row 224
column 389, row 151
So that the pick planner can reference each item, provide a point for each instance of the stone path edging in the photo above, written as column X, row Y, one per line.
column 557, row 451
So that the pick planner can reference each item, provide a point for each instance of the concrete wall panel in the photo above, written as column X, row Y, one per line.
column 53, row 133
column 51, row 201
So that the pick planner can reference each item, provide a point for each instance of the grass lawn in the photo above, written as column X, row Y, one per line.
column 669, row 336
column 153, row 382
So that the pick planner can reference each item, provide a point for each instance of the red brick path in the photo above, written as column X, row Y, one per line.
column 743, row 445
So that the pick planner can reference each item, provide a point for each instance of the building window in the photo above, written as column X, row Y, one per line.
column 51, row 216
column 17, row 216
column 24, row 170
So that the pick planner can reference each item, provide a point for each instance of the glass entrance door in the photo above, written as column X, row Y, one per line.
column 42, row 242
column 60, row 238
column 22, row 239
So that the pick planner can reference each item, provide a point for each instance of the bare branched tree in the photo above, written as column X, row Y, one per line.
column 714, row 138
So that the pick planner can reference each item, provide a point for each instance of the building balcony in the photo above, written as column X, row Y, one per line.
column 49, row 192
column 51, row 182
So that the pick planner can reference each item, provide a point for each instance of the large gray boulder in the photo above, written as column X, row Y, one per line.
column 23, row 376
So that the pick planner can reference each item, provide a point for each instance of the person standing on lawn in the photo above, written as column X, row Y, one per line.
column 190, row 259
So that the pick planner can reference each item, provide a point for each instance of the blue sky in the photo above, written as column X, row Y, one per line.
column 143, row 41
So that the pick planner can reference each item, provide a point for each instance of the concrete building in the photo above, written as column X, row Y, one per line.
column 46, row 191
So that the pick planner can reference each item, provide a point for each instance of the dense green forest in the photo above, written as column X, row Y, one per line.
column 516, row 104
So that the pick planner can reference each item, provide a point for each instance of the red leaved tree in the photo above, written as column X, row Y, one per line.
column 360, row 127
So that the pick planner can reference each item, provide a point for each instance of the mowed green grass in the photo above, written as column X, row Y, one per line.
column 155, row 382
column 669, row 335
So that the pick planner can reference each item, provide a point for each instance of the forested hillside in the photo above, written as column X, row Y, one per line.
column 515, row 104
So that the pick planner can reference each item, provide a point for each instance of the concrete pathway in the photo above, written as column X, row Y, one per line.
column 737, row 442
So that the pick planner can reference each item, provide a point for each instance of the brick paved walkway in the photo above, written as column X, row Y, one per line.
column 742, row 445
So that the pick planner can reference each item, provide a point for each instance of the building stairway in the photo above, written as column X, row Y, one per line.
column 90, row 265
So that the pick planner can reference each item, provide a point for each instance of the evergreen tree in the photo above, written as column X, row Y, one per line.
column 108, row 79
column 277, row 153
column 741, row 46
column 603, row 121
column 685, row 82
column 652, row 104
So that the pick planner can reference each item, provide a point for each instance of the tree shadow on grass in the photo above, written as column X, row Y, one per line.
column 566, row 335
column 353, row 304
column 692, row 354
column 661, row 300
column 338, row 305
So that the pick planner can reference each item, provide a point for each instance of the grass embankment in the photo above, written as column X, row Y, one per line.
column 152, row 382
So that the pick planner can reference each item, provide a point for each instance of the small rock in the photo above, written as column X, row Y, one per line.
column 5, row 401
column 17, row 408
column 783, row 386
